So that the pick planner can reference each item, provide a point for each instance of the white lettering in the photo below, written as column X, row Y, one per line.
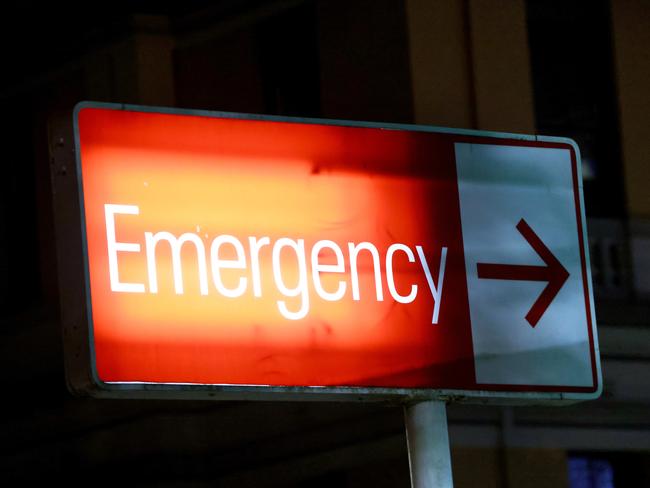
column 354, row 274
column 436, row 291
column 113, row 247
column 255, row 245
column 151, row 240
column 390, row 281
column 317, row 268
column 218, row 264
column 297, row 271
column 301, row 287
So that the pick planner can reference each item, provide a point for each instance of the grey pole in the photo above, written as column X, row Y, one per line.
column 428, row 445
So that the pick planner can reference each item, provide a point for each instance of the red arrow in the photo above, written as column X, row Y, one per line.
column 554, row 273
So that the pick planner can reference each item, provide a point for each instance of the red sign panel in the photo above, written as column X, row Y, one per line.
column 225, row 250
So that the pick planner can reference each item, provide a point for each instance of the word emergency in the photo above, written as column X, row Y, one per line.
column 248, row 258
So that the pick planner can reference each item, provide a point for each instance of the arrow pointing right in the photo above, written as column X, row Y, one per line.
column 553, row 272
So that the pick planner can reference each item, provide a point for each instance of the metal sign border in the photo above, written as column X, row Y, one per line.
column 327, row 393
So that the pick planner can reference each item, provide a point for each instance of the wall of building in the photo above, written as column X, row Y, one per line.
column 470, row 64
column 631, row 29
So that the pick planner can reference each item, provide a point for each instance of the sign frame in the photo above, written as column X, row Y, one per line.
column 81, row 370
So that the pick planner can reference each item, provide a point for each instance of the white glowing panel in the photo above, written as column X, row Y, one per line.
column 498, row 187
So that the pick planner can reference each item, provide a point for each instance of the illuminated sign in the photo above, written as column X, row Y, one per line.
column 256, row 254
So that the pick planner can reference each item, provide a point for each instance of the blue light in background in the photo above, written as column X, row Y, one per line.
column 585, row 472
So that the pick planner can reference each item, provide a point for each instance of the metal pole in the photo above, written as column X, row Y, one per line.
column 428, row 445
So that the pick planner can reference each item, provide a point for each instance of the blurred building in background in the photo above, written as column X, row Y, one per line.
column 566, row 68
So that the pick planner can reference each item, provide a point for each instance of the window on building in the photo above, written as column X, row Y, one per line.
column 585, row 472
column 267, row 63
column 575, row 94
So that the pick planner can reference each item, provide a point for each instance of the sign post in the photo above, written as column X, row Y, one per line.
column 231, row 256
column 428, row 444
